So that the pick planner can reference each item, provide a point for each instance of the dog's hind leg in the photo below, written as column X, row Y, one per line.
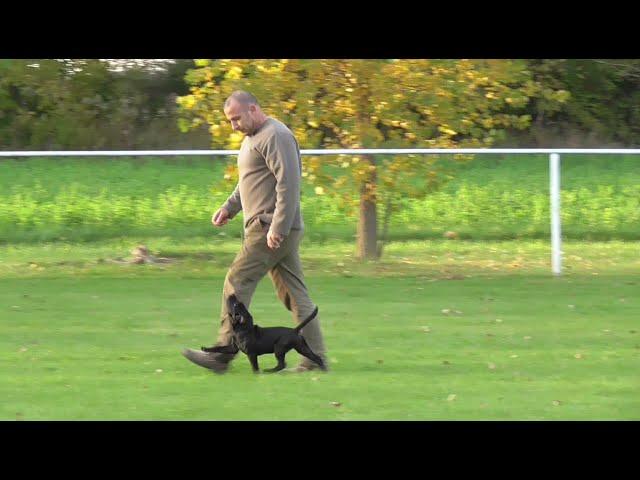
column 303, row 349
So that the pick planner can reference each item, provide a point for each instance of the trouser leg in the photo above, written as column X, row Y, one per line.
column 288, row 279
column 252, row 263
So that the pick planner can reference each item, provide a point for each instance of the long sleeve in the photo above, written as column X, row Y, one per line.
column 234, row 202
column 283, row 160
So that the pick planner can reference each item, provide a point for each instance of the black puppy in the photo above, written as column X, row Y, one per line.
column 254, row 340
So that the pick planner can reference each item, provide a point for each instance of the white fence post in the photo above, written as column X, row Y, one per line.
column 556, row 237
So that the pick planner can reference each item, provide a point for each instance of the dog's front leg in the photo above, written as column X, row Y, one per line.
column 254, row 363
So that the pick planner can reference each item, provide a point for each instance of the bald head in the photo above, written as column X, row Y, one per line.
column 242, row 97
column 244, row 113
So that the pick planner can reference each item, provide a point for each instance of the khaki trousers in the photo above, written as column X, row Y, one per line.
column 283, row 265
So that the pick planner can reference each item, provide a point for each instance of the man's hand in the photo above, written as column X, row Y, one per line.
column 274, row 240
column 220, row 218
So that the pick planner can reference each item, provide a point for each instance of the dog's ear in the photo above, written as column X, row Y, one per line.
column 246, row 316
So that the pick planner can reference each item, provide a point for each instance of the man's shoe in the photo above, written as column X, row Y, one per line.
column 209, row 360
column 306, row 367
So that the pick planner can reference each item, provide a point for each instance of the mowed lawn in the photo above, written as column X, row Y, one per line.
column 437, row 330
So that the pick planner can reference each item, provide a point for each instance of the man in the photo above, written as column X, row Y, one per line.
column 268, row 194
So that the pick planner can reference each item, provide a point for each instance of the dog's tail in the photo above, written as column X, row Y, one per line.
column 307, row 320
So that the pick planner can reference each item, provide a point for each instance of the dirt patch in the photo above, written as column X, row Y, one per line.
column 141, row 255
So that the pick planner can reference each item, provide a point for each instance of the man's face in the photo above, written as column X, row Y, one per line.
column 241, row 116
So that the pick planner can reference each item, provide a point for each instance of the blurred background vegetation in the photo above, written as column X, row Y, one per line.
column 177, row 104
column 94, row 104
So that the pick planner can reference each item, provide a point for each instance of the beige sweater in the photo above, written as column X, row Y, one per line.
column 269, row 185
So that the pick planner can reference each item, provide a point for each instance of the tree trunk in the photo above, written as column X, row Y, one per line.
column 385, row 226
column 367, row 224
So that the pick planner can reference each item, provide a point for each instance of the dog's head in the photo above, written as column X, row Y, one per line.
column 241, row 319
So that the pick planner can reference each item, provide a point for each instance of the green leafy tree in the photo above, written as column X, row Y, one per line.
column 589, row 116
column 90, row 104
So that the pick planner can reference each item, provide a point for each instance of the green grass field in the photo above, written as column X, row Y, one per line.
column 491, row 198
column 437, row 330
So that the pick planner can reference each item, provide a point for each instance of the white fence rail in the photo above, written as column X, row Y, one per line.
column 554, row 168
